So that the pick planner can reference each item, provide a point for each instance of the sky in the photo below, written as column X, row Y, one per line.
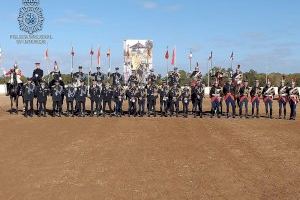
column 264, row 35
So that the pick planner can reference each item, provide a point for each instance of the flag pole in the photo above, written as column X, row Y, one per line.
column 211, row 63
column 231, row 64
column 266, row 75
column 48, row 64
column 109, row 62
column 91, row 54
column 99, row 57
column 72, row 62
column 208, row 74
column 190, row 58
column 167, row 63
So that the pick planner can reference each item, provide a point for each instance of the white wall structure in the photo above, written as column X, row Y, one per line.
column 3, row 89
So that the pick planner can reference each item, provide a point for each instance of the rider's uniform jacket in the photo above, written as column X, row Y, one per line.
column 18, row 74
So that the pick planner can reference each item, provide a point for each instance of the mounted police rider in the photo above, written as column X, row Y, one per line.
column 174, row 77
column 133, row 78
column 151, row 77
column 116, row 77
column 14, row 75
column 37, row 74
column 78, row 77
column 164, row 99
column 98, row 76
column 198, row 95
column 283, row 97
column 56, row 76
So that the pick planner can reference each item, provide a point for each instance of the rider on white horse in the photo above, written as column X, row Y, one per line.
column 14, row 75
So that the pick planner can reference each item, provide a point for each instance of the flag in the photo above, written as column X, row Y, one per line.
column 98, row 57
column 91, row 52
column 167, row 55
column 46, row 54
column 210, row 56
column 72, row 52
column 231, row 56
column 190, row 55
column 108, row 53
column 173, row 57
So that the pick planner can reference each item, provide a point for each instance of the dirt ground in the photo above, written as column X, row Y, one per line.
column 148, row 158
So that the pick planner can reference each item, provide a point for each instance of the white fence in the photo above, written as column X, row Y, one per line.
column 3, row 90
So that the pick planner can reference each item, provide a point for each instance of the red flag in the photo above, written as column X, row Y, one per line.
column 46, row 54
column 72, row 52
column 173, row 57
column 167, row 55
column 98, row 57
column 91, row 52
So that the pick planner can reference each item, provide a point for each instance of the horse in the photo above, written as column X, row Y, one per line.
column 14, row 93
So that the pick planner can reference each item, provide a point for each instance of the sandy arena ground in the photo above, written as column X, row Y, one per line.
column 148, row 158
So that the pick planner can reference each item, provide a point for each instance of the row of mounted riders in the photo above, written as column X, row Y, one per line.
column 235, row 93
column 140, row 97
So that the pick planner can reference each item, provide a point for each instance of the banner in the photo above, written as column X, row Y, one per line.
column 138, row 55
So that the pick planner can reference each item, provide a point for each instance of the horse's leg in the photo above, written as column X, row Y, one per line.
column 17, row 104
column 11, row 104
